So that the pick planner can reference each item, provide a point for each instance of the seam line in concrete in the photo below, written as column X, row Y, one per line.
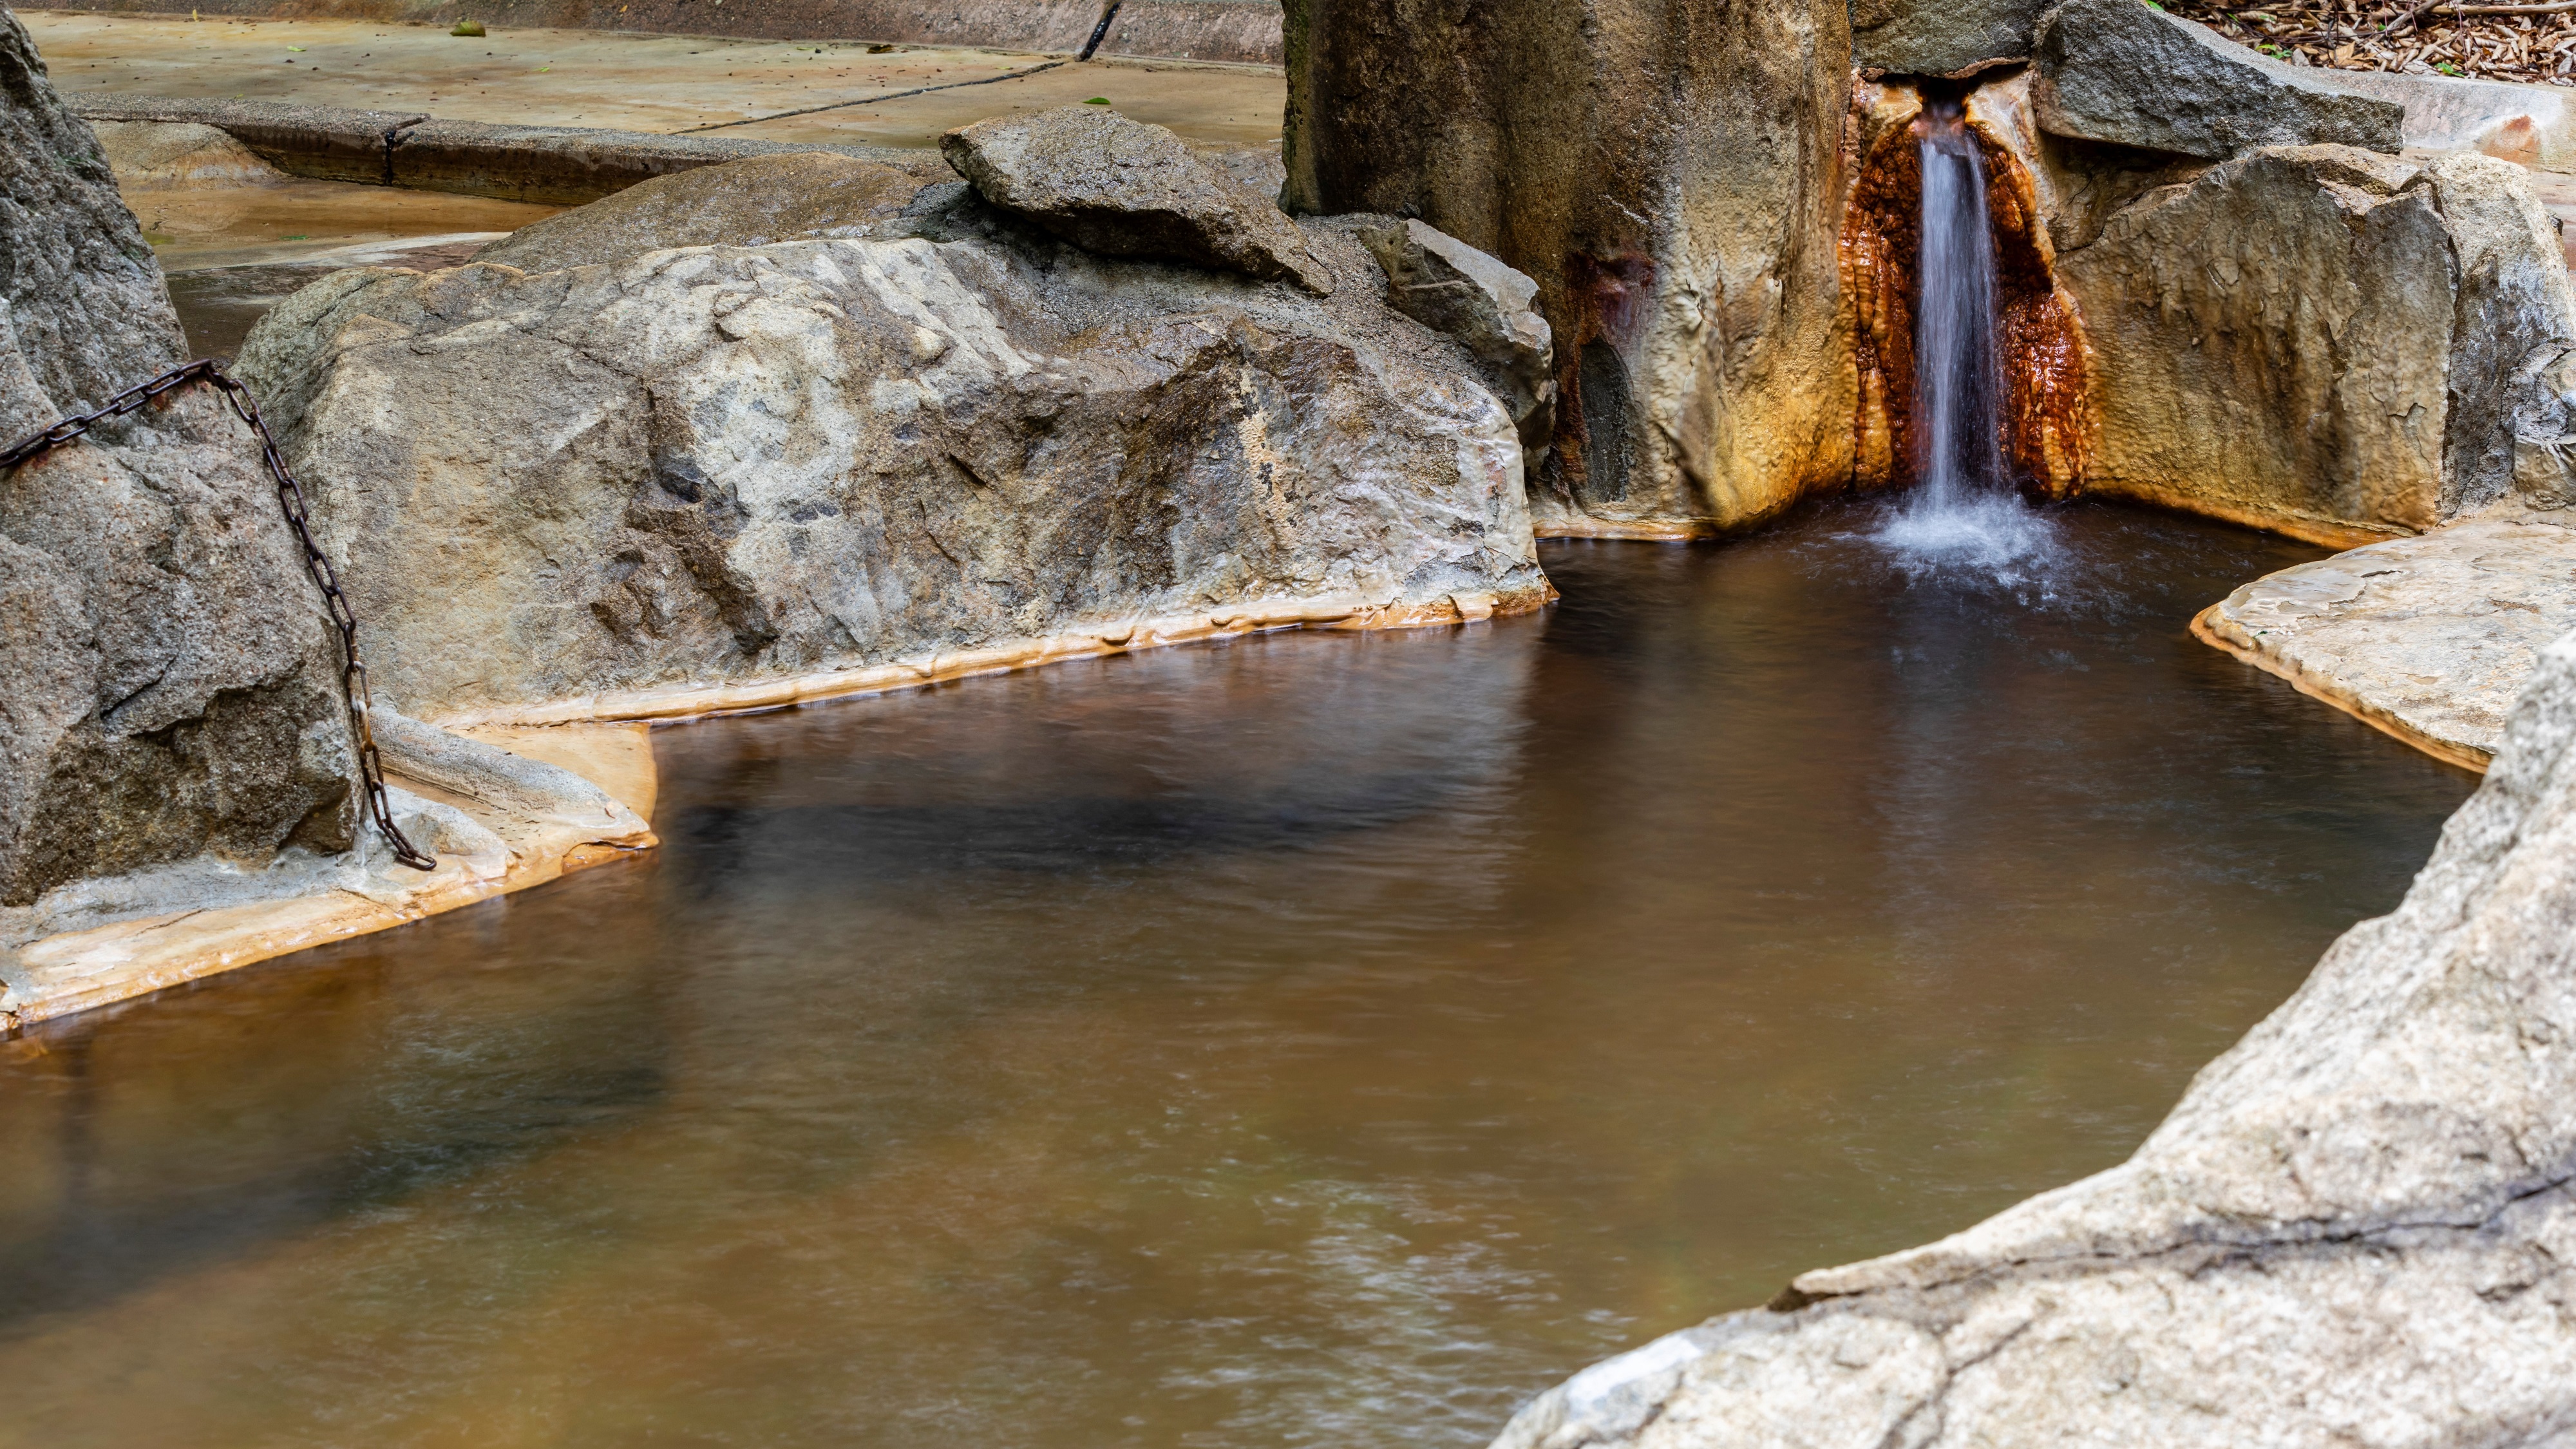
column 870, row 100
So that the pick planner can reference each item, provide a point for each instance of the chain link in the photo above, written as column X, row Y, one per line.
column 290, row 499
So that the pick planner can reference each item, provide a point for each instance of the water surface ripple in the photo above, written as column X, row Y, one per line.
column 1316, row 1040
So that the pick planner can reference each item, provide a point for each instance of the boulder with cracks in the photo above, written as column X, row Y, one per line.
column 722, row 476
column 1450, row 287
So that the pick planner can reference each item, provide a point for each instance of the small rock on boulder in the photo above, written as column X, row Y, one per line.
column 1126, row 189
column 752, row 202
column 2126, row 72
column 1449, row 286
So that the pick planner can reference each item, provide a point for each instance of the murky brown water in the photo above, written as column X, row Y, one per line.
column 1319, row 1040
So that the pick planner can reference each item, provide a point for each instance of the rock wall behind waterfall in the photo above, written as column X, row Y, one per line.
column 1671, row 178
column 168, row 686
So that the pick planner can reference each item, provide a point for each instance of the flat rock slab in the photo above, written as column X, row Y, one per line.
column 2429, row 638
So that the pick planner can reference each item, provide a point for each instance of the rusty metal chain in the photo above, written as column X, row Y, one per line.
column 290, row 499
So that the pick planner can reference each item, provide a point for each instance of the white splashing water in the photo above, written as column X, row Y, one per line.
column 1966, row 512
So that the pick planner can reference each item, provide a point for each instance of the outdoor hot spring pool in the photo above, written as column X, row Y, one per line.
column 1319, row 1039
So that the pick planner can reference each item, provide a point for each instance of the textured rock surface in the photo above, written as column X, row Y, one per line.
column 1450, row 287
column 1126, row 189
column 794, row 197
column 2321, row 339
column 2126, row 72
column 720, row 464
column 82, row 311
column 1941, row 37
column 167, row 684
column 2430, row 638
column 1670, row 178
column 2356, row 1228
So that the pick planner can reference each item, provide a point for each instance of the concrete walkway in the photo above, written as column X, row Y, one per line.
column 624, row 81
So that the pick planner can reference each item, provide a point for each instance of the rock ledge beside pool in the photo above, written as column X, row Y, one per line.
column 2428, row 638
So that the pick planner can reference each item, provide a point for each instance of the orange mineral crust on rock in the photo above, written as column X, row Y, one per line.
column 2046, row 418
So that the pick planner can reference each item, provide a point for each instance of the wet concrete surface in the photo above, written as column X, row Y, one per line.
column 662, row 83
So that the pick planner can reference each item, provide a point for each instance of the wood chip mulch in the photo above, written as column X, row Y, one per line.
column 2531, row 42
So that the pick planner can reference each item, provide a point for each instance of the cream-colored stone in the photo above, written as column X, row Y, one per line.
column 147, row 155
column 618, row 758
column 2428, row 638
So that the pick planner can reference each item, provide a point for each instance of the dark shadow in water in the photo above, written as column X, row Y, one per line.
column 1314, row 1040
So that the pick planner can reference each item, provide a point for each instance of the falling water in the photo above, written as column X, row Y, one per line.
column 1966, row 510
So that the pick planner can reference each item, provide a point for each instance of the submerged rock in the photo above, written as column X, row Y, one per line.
column 712, row 476
column 2357, row 1226
column 797, row 196
column 1670, row 176
column 2126, row 72
column 171, row 688
column 1450, row 287
column 2321, row 339
column 1122, row 188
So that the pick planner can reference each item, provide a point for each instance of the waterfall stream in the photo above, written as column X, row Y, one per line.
column 1958, row 370
column 1966, row 509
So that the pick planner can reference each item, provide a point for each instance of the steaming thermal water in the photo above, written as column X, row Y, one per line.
column 1315, row 1041
column 1965, row 514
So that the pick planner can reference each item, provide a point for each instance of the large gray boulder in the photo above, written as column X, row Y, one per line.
column 1450, row 287
column 797, row 196
column 710, row 467
column 2124, row 71
column 1670, row 176
column 1126, row 189
column 2322, row 339
column 2358, row 1227
column 168, row 686
column 1954, row 38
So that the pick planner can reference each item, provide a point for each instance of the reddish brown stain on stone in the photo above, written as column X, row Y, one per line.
column 2045, row 370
